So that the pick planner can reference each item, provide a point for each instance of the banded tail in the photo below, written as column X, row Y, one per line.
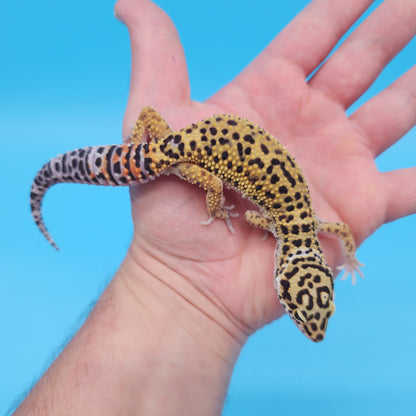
column 112, row 165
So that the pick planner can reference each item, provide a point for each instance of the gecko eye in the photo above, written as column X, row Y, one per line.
column 299, row 315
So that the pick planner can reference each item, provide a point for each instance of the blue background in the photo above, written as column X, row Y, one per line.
column 64, row 77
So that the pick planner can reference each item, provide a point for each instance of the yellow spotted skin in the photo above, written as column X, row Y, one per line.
column 224, row 149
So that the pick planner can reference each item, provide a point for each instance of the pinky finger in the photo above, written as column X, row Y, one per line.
column 400, row 187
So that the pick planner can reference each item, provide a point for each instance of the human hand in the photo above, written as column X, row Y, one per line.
column 235, row 272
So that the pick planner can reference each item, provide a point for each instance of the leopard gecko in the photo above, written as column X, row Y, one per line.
column 231, row 151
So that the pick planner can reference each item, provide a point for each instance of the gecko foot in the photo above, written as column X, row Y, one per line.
column 351, row 268
column 224, row 214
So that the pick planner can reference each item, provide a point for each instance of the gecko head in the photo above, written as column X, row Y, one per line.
column 306, row 290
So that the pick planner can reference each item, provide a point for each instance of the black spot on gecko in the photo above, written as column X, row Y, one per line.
column 285, row 286
column 301, row 297
column 317, row 279
column 147, row 165
column 264, row 149
column 283, row 190
column 248, row 138
column 290, row 161
column 81, row 168
column 287, row 175
column 116, row 168
column 208, row 150
column 146, row 149
column 236, row 136
column 240, row 149
column 231, row 122
column 306, row 228
column 259, row 162
column 213, row 131
column 289, row 275
column 168, row 139
column 274, row 179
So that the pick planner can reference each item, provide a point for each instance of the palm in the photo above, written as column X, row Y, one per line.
column 335, row 152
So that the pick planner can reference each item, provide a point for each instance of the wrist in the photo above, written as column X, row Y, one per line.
column 175, row 349
column 172, row 304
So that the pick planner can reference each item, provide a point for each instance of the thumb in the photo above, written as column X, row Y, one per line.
column 159, row 75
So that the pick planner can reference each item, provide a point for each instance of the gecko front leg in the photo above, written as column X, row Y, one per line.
column 343, row 232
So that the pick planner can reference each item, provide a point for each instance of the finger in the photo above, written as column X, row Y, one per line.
column 389, row 115
column 308, row 39
column 159, row 75
column 401, row 193
column 356, row 64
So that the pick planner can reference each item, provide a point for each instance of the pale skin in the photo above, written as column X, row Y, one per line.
column 165, row 335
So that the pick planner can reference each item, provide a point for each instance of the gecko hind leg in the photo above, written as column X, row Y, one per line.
column 343, row 232
column 196, row 175
column 256, row 219
column 149, row 121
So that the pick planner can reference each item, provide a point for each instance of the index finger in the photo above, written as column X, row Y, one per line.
column 314, row 32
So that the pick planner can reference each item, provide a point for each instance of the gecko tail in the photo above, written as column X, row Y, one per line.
column 39, row 188
column 108, row 165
